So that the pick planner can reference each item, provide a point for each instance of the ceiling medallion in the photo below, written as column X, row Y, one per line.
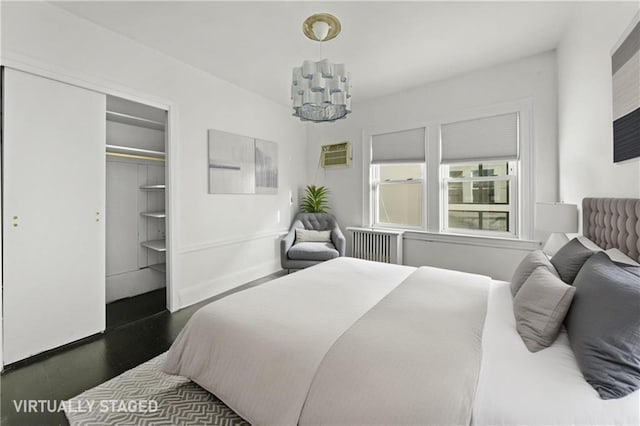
column 321, row 91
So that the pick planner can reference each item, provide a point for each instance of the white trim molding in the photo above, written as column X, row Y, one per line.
column 206, row 289
column 473, row 240
column 18, row 61
column 240, row 239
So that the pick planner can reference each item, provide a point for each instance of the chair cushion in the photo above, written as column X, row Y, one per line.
column 316, row 221
column 312, row 251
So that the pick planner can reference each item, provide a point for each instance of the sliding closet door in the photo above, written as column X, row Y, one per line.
column 54, row 191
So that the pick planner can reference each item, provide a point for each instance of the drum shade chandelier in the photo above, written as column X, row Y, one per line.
column 321, row 91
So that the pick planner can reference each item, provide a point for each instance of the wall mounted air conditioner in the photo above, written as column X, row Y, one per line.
column 336, row 155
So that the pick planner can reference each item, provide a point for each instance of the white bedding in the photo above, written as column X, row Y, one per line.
column 269, row 343
column 258, row 350
column 517, row 387
column 412, row 359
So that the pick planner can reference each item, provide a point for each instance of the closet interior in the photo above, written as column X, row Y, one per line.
column 135, row 200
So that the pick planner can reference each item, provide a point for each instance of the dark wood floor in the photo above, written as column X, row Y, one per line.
column 126, row 311
column 62, row 373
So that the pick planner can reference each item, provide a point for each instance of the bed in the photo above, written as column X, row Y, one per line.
column 357, row 342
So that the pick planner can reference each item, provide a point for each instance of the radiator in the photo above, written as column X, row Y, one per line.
column 377, row 245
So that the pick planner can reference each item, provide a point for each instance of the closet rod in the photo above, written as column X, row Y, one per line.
column 134, row 120
column 137, row 151
column 139, row 157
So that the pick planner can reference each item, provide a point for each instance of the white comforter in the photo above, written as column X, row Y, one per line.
column 259, row 349
column 344, row 342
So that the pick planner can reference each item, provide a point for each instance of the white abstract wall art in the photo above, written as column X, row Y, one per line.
column 266, row 167
column 241, row 164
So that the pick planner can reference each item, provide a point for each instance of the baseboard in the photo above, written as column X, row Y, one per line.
column 133, row 283
column 206, row 289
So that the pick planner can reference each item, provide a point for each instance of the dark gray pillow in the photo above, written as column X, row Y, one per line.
column 570, row 258
column 603, row 324
column 540, row 307
column 530, row 263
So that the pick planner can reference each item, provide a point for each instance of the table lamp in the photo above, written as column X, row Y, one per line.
column 559, row 219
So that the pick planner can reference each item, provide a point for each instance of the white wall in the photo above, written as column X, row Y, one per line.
column 219, row 241
column 527, row 78
column 584, row 106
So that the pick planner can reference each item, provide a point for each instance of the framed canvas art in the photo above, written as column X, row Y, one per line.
column 625, row 66
column 266, row 167
column 241, row 164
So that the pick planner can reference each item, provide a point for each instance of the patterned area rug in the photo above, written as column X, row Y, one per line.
column 147, row 396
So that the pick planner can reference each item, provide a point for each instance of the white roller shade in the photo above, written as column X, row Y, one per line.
column 398, row 147
column 480, row 139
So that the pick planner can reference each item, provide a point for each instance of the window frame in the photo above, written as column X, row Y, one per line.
column 512, row 176
column 374, row 179
column 432, row 207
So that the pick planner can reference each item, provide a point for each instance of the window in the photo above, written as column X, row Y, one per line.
column 471, row 176
column 480, row 197
column 479, row 173
column 398, row 190
column 397, row 178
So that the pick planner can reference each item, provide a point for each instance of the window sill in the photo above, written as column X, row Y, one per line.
column 473, row 240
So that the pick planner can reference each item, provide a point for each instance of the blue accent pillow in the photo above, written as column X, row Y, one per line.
column 603, row 325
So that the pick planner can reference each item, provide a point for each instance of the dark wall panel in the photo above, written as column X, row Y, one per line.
column 626, row 136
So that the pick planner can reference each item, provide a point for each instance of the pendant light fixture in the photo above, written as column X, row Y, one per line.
column 321, row 91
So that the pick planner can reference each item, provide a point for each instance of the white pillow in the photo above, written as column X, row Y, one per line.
column 311, row 236
column 618, row 256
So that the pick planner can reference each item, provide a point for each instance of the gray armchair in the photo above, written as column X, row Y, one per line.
column 305, row 254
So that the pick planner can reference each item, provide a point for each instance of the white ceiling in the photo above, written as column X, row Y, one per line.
column 387, row 46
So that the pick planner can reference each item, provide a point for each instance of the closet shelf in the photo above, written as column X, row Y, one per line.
column 160, row 187
column 157, row 245
column 154, row 214
column 160, row 267
column 133, row 120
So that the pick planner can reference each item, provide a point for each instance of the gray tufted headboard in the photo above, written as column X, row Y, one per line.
column 613, row 223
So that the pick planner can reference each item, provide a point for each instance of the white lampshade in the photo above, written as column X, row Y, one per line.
column 557, row 217
column 320, row 91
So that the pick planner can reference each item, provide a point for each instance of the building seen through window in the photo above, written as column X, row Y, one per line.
column 478, row 196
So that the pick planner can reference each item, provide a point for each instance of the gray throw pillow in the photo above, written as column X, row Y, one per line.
column 604, row 326
column 540, row 307
column 531, row 262
column 312, row 236
column 570, row 258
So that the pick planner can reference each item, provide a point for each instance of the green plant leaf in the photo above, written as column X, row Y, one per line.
column 315, row 199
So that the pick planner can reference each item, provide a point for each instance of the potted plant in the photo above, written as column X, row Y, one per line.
column 315, row 200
